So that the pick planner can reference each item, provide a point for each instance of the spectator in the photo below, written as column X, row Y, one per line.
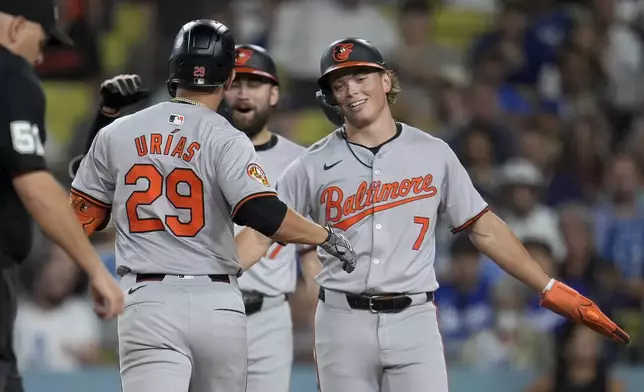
column 303, row 29
column 512, row 342
column 579, row 365
column 620, row 225
column 522, row 53
column 420, row 61
column 579, row 171
column 56, row 329
column 464, row 297
column 522, row 184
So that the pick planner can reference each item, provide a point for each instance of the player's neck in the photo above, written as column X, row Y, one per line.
column 374, row 134
column 207, row 99
column 263, row 137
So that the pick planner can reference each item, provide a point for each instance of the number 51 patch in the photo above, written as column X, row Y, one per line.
column 25, row 138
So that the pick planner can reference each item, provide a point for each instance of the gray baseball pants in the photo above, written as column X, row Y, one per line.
column 360, row 351
column 182, row 334
column 270, row 347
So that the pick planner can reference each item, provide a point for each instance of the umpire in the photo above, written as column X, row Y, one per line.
column 27, row 189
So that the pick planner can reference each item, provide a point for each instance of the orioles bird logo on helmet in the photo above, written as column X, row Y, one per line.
column 243, row 55
column 341, row 52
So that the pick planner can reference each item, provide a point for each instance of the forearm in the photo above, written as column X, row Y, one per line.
column 272, row 218
column 251, row 247
column 495, row 239
column 299, row 230
column 48, row 204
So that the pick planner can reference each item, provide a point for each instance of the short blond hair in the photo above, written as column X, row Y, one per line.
column 392, row 95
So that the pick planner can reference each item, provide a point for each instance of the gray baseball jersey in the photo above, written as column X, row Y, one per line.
column 387, row 204
column 173, row 175
column 275, row 273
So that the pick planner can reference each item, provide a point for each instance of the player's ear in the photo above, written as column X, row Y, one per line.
column 274, row 96
column 386, row 81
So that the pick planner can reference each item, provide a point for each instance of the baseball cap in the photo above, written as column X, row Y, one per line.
column 43, row 12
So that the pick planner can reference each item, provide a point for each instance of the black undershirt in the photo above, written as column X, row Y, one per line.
column 377, row 148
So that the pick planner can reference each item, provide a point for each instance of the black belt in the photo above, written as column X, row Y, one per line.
column 379, row 303
column 160, row 277
column 253, row 301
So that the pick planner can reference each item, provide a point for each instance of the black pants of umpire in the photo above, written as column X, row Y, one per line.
column 10, row 380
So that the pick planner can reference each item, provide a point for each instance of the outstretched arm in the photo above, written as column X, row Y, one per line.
column 495, row 239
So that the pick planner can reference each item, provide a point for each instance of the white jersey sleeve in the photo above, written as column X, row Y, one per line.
column 93, row 178
column 461, row 203
column 241, row 176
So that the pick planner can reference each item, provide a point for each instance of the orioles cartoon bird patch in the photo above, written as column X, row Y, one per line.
column 341, row 52
column 255, row 172
column 243, row 55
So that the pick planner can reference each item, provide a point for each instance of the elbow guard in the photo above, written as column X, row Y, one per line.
column 91, row 215
column 264, row 214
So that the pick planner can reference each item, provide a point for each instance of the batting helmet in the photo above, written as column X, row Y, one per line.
column 203, row 56
column 255, row 60
column 344, row 53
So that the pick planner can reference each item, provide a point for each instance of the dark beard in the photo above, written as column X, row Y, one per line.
column 255, row 126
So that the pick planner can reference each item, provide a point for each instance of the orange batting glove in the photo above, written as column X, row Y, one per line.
column 567, row 302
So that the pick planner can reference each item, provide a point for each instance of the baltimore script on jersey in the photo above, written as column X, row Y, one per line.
column 336, row 206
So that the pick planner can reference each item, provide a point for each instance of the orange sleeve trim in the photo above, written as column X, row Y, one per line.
column 250, row 197
column 89, row 198
column 470, row 221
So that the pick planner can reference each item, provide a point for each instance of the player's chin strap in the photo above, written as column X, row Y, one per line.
column 334, row 115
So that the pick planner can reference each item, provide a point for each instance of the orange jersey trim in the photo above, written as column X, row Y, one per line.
column 470, row 221
column 250, row 197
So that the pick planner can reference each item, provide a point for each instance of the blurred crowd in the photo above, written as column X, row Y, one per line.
column 542, row 100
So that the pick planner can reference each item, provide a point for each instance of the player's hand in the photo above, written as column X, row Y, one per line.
column 567, row 302
column 339, row 246
column 121, row 91
column 107, row 295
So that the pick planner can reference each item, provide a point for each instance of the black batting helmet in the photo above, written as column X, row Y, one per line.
column 203, row 56
column 344, row 53
column 255, row 60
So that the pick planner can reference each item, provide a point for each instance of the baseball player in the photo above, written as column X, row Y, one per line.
column 265, row 287
column 385, row 184
column 174, row 177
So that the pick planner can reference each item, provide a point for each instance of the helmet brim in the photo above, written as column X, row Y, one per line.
column 349, row 64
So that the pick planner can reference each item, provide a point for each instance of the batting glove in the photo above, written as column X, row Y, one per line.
column 338, row 245
column 567, row 302
column 121, row 91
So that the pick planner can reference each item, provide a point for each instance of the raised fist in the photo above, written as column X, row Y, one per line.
column 121, row 91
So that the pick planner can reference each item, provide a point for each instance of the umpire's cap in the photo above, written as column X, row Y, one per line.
column 203, row 56
column 255, row 60
column 43, row 12
column 349, row 52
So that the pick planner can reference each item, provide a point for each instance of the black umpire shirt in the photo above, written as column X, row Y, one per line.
column 22, row 138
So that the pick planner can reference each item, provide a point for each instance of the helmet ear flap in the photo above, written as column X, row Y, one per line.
column 329, row 107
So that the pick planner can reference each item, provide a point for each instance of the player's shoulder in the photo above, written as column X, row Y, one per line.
column 418, row 137
column 328, row 143
column 288, row 146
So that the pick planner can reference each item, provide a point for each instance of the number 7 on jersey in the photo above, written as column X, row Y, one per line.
column 424, row 222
